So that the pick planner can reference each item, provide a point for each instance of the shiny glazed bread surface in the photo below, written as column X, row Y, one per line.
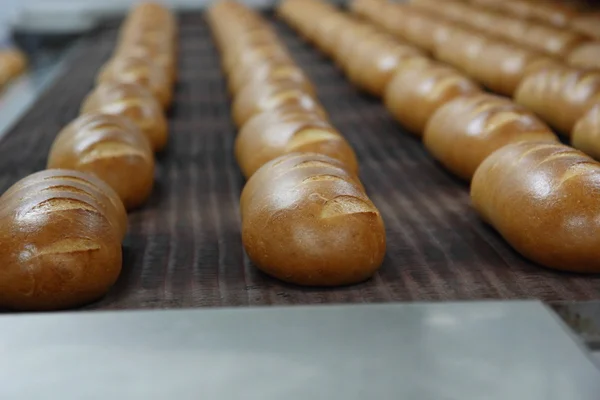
column 543, row 199
column 113, row 149
column 307, row 221
column 60, row 241
column 466, row 130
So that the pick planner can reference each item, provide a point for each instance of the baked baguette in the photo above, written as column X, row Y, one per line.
column 60, row 241
column 307, row 221
column 267, row 74
column 12, row 64
column 270, row 135
column 375, row 60
column 254, row 100
column 417, row 90
column 113, row 149
column 134, row 102
column 497, row 64
column 539, row 36
column 586, row 56
column 465, row 131
column 554, row 13
column 587, row 24
column 141, row 71
column 586, row 133
column 543, row 199
column 559, row 95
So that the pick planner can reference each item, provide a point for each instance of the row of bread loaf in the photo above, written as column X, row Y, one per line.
column 563, row 14
column 538, row 193
column 564, row 43
column 12, row 63
column 136, row 84
column 306, row 218
column 567, row 98
column 459, row 123
column 62, row 228
column 497, row 64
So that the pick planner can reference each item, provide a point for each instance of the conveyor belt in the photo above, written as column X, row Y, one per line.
column 184, row 247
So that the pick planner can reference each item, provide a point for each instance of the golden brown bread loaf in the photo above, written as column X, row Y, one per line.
column 586, row 56
column 161, row 57
column 12, row 64
column 559, row 95
column 146, row 52
column 586, row 133
column 134, row 102
column 466, row 130
column 419, row 28
column 539, row 36
column 418, row 90
column 141, row 71
column 110, row 147
column 587, row 24
column 367, row 55
column 374, row 59
column 60, row 241
column 108, row 200
column 543, row 199
column 307, row 221
column 268, row 135
column 270, row 73
column 554, row 13
column 497, row 64
column 254, row 100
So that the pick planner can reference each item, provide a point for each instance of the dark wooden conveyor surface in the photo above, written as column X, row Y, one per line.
column 184, row 247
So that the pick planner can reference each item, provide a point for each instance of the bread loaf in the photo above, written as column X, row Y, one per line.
column 269, row 135
column 551, row 12
column 107, row 198
column 418, row 28
column 543, row 199
column 269, row 74
column 140, row 71
column 586, row 133
column 254, row 100
column 162, row 56
column 586, row 56
column 12, row 64
column 134, row 102
column 146, row 52
column 466, row 130
column 539, row 36
column 307, row 221
column 366, row 54
column 418, row 90
column 374, row 61
column 60, row 241
column 559, row 95
column 497, row 64
column 113, row 149
column 587, row 24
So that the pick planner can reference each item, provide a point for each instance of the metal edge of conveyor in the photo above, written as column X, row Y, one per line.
column 466, row 350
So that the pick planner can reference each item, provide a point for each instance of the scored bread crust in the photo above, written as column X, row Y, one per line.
column 466, row 130
column 307, row 221
column 543, row 199
column 134, row 102
column 110, row 147
column 60, row 241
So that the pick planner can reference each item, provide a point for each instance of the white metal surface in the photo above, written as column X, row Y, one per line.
column 451, row 351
